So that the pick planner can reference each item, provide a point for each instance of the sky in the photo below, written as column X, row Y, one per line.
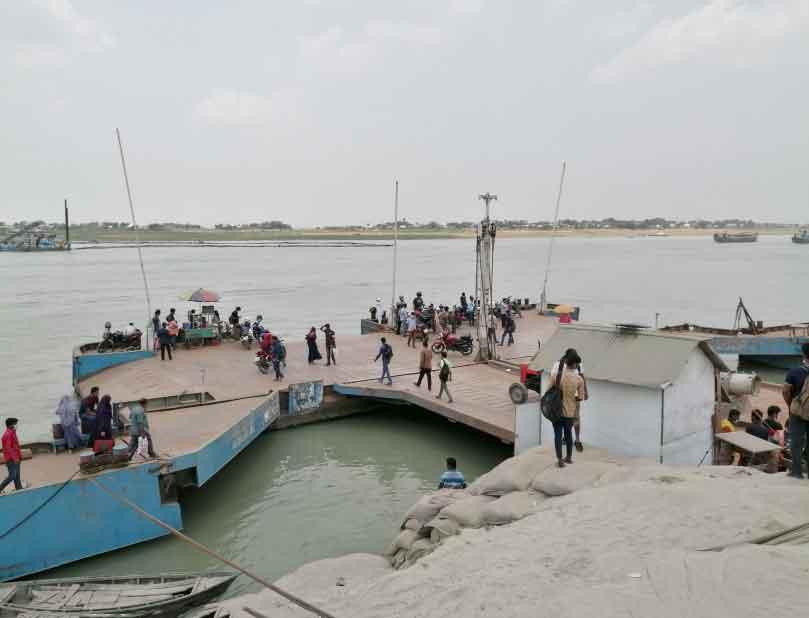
column 307, row 111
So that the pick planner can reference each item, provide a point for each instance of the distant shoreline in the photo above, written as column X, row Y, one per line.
column 406, row 234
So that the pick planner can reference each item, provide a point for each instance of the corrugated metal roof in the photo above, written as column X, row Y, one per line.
column 641, row 358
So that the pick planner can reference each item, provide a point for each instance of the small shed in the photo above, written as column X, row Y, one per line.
column 651, row 393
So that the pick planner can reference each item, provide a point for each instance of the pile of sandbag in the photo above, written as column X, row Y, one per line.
column 511, row 491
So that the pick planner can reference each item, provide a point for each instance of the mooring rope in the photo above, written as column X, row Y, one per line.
column 40, row 507
column 196, row 544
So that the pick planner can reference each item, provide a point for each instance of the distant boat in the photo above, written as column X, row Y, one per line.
column 724, row 237
column 802, row 237
column 113, row 597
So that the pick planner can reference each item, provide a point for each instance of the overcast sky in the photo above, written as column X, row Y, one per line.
column 307, row 110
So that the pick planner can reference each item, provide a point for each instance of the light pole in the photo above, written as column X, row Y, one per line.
column 485, row 261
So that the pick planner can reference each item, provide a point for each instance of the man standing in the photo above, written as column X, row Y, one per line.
column 330, row 344
column 386, row 354
column 139, row 428
column 235, row 324
column 403, row 317
column 12, row 455
column 444, row 376
column 412, row 323
column 425, row 365
column 796, row 396
column 164, row 337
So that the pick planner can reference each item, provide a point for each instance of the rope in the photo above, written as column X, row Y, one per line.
column 287, row 595
column 762, row 540
column 40, row 507
column 137, row 235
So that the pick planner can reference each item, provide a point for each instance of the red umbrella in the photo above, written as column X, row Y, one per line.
column 202, row 295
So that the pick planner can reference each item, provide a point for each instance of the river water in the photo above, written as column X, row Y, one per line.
column 324, row 490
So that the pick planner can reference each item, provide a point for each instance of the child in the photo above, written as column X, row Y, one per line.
column 452, row 478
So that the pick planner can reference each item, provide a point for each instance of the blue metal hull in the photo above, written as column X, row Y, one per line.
column 779, row 352
column 83, row 521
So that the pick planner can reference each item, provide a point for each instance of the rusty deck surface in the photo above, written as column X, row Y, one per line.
column 227, row 372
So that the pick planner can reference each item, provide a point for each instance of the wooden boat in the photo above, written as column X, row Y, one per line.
column 724, row 237
column 802, row 237
column 132, row 596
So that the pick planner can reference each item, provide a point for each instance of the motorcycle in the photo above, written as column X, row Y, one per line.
column 451, row 343
column 117, row 340
column 246, row 336
column 262, row 362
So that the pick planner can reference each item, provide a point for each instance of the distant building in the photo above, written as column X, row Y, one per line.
column 651, row 394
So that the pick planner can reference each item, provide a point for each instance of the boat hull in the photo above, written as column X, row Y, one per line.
column 202, row 588
column 735, row 238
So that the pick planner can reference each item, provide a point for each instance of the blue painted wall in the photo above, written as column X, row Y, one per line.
column 83, row 520
column 759, row 346
column 86, row 365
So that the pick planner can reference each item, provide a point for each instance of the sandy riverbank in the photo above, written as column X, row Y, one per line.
column 627, row 545
column 379, row 235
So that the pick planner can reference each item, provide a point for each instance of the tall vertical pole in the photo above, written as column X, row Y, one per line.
column 67, row 228
column 543, row 296
column 395, row 249
column 487, row 350
column 137, row 235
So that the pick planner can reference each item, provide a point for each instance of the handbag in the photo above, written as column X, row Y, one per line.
column 551, row 402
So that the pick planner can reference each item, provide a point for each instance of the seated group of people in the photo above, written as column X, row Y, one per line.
column 769, row 429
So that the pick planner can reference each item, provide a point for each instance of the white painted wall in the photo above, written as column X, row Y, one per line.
column 689, row 406
column 622, row 418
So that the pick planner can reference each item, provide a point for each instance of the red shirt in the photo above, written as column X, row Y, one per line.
column 11, row 446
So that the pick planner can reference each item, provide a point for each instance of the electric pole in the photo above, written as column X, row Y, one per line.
column 485, row 262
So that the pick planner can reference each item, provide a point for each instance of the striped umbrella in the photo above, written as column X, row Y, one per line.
column 202, row 295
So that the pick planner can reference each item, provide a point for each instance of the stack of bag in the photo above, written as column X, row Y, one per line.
column 512, row 490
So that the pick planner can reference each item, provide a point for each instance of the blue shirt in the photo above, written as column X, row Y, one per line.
column 452, row 479
column 796, row 377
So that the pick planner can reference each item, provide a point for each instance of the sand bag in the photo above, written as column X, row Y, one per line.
column 403, row 540
column 419, row 549
column 468, row 513
column 428, row 506
column 398, row 560
column 511, row 507
column 440, row 528
column 562, row 481
column 514, row 474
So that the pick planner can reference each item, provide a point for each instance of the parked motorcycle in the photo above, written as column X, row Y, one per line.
column 262, row 362
column 247, row 335
column 116, row 340
column 451, row 343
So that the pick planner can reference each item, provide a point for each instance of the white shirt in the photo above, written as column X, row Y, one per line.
column 411, row 322
column 130, row 330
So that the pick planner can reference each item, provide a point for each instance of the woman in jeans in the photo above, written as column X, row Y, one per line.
column 571, row 385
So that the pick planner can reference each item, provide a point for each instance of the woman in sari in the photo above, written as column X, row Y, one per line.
column 311, row 342
column 68, row 412
column 104, row 419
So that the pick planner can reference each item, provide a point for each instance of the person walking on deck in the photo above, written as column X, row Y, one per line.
column 386, row 354
column 311, row 344
column 277, row 354
column 139, row 428
column 796, row 395
column 444, row 376
column 425, row 366
column 508, row 329
column 12, row 455
column 330, row 344
column 164, row 337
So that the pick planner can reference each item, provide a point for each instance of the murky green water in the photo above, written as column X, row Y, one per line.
column 308, row 493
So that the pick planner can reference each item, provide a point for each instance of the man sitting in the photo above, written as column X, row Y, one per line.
column 452, row 477
column 756, row 427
